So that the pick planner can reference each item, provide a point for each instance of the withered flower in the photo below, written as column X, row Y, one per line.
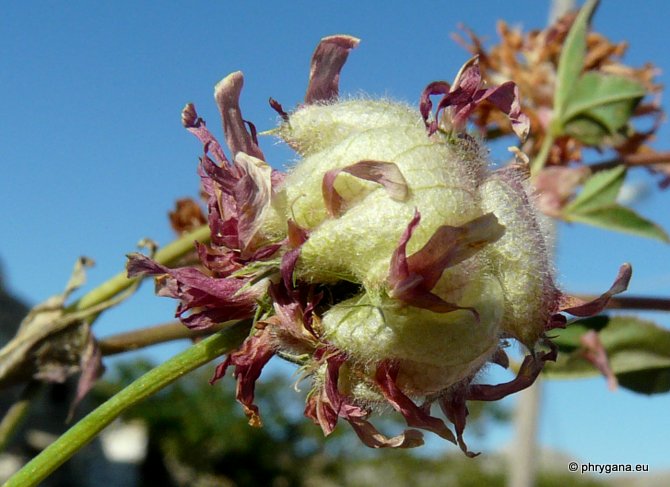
column 531, row 59
column 390, row 263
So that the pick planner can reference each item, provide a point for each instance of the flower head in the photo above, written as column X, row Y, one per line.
column 390, row 263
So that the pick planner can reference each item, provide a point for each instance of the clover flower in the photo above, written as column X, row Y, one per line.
column 390, row 262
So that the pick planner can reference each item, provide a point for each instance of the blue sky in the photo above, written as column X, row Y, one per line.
column 93, row 154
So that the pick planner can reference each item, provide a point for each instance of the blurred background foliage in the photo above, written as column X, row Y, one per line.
column 199, row 436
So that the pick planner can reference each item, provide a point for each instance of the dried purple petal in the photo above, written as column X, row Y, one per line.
column 452, row 245
column 372, row 438
column 249, row 360
column 252, row 195
column 220, row 297
column 296, row 234
column 579, row 307
column 385, row 173
column 319, row 410
column 292, row 322
column 288, row 265
column 506, row 99
column 387, row 373
column 455, row 408
column 425, row 105
column 465, row 94
column 327, row 61
column 227, row 95
column 276, row 106
column 91, row 369
column 326, row 405
column 196, row 125
column 530, row 368
column 411, row 278
column 407, row 286
column 594, row 351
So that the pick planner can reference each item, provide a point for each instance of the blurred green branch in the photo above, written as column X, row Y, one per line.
column 147, row 385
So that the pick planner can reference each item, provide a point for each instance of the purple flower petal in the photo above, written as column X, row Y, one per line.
column 252, row 195
column 452, row 245
column 425, row 105
column 222, row 298
column 506, row 99
column 455, row 409
column 412, row 278
column 581, row 308
column 91, row 369
column 325, row 405
column 221, row 261
column 594, row 351
column 327, row 61
column 319, row 410
column 465, row 94
column 385, row 173
column 249, row 360
column 296, row 234
column 227, row 95
column 372, row 438
column 292, row 322
column 415, row 416
column 276, row 106
column 399, row 269
column 287, row 266
column 530, row 368
column 196, row 125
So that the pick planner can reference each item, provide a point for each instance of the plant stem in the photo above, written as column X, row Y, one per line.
column 100, row 297
column 636, row 302
column 145, row 337
column 541, row 159
column 633, row 160
column 17, row 413
column 153, row 381
column 120, row 282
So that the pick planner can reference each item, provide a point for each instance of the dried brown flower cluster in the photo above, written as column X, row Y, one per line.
column 531, row 59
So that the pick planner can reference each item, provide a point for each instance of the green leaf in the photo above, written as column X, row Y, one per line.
column 654, row 381
column 618, row 218
column 608, row 99
column 586, row 130
column 599, row 107
column 599, row 190
column 571, row 62
column 638, row 352
column 596, row 205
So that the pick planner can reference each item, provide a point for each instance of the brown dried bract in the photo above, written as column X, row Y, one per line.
column 187, row 216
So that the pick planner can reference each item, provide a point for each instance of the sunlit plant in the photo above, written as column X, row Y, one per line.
column 391, row 263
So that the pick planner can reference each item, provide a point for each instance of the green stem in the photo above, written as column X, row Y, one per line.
column 95, row 301
column 120, row 282
column 542, row 156
column 153, row 381
column 14, row 417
